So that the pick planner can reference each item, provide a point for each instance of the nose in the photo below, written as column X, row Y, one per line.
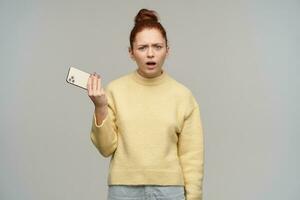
column 150, row 53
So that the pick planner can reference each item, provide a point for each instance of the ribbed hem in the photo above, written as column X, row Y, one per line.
column 149, row 81
column 145, row 177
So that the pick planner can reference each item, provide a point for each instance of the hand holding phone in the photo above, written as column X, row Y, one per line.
column 78, row 77
column 96, row 91
column 89, row 82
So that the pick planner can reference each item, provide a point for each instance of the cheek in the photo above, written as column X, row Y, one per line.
column 138, row 55
column 162, row 56
column 139, row 58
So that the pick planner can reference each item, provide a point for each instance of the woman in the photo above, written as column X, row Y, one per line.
column 148, row 123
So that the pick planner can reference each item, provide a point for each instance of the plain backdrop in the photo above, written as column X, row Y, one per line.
column 239, row 58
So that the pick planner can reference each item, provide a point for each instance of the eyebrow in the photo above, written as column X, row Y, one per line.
column 148, row 45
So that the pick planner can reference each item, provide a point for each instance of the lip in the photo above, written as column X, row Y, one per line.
column 151, row 66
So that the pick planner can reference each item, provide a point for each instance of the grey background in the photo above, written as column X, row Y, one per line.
column 239, row 58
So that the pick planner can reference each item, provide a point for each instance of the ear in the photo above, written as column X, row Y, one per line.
column 130, row 52
column 168, row 51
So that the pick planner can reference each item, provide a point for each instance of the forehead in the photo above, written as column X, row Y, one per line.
column 149, row 36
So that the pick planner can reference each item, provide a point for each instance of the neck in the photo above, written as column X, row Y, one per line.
column 149, row 76
column 158, row 79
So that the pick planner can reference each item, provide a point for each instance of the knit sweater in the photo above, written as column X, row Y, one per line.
column 152, row 132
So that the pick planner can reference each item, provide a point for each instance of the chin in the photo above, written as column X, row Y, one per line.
column 154, row 72
column 150, row 72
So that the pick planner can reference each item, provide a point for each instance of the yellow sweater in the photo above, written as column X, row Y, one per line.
column 153, row 133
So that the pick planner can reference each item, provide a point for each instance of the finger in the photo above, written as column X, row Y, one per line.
column 92, row 80
column 99, row 83
column 89, row 84
column 102, row 91
column 94, row 83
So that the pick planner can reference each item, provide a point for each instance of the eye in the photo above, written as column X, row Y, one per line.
column 158, row 47
column 142, row 48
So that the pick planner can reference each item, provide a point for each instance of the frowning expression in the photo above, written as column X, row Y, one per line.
column 149, row 52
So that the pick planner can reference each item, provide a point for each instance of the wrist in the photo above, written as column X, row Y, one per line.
column 101, row 108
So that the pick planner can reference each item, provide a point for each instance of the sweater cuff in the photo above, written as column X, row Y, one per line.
column 103, row 121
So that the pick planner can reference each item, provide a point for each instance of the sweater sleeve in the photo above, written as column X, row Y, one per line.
column 191, row 154
column 104, row 136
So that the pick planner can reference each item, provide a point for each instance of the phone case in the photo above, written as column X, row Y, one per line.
column 78, row 77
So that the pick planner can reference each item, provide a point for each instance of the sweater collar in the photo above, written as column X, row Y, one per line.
column 149, row 81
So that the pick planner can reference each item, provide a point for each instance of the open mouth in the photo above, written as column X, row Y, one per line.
column 150, row 63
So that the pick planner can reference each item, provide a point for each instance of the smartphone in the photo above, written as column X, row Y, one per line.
column 78, row 77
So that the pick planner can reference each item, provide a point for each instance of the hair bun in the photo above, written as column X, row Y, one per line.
column 145, row 14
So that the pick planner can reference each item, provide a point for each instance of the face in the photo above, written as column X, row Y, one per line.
column 149, row 52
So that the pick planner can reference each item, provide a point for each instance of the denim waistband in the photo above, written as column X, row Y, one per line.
column 146, row 192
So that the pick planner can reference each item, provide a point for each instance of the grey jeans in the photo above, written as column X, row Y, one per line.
column 145, row 192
